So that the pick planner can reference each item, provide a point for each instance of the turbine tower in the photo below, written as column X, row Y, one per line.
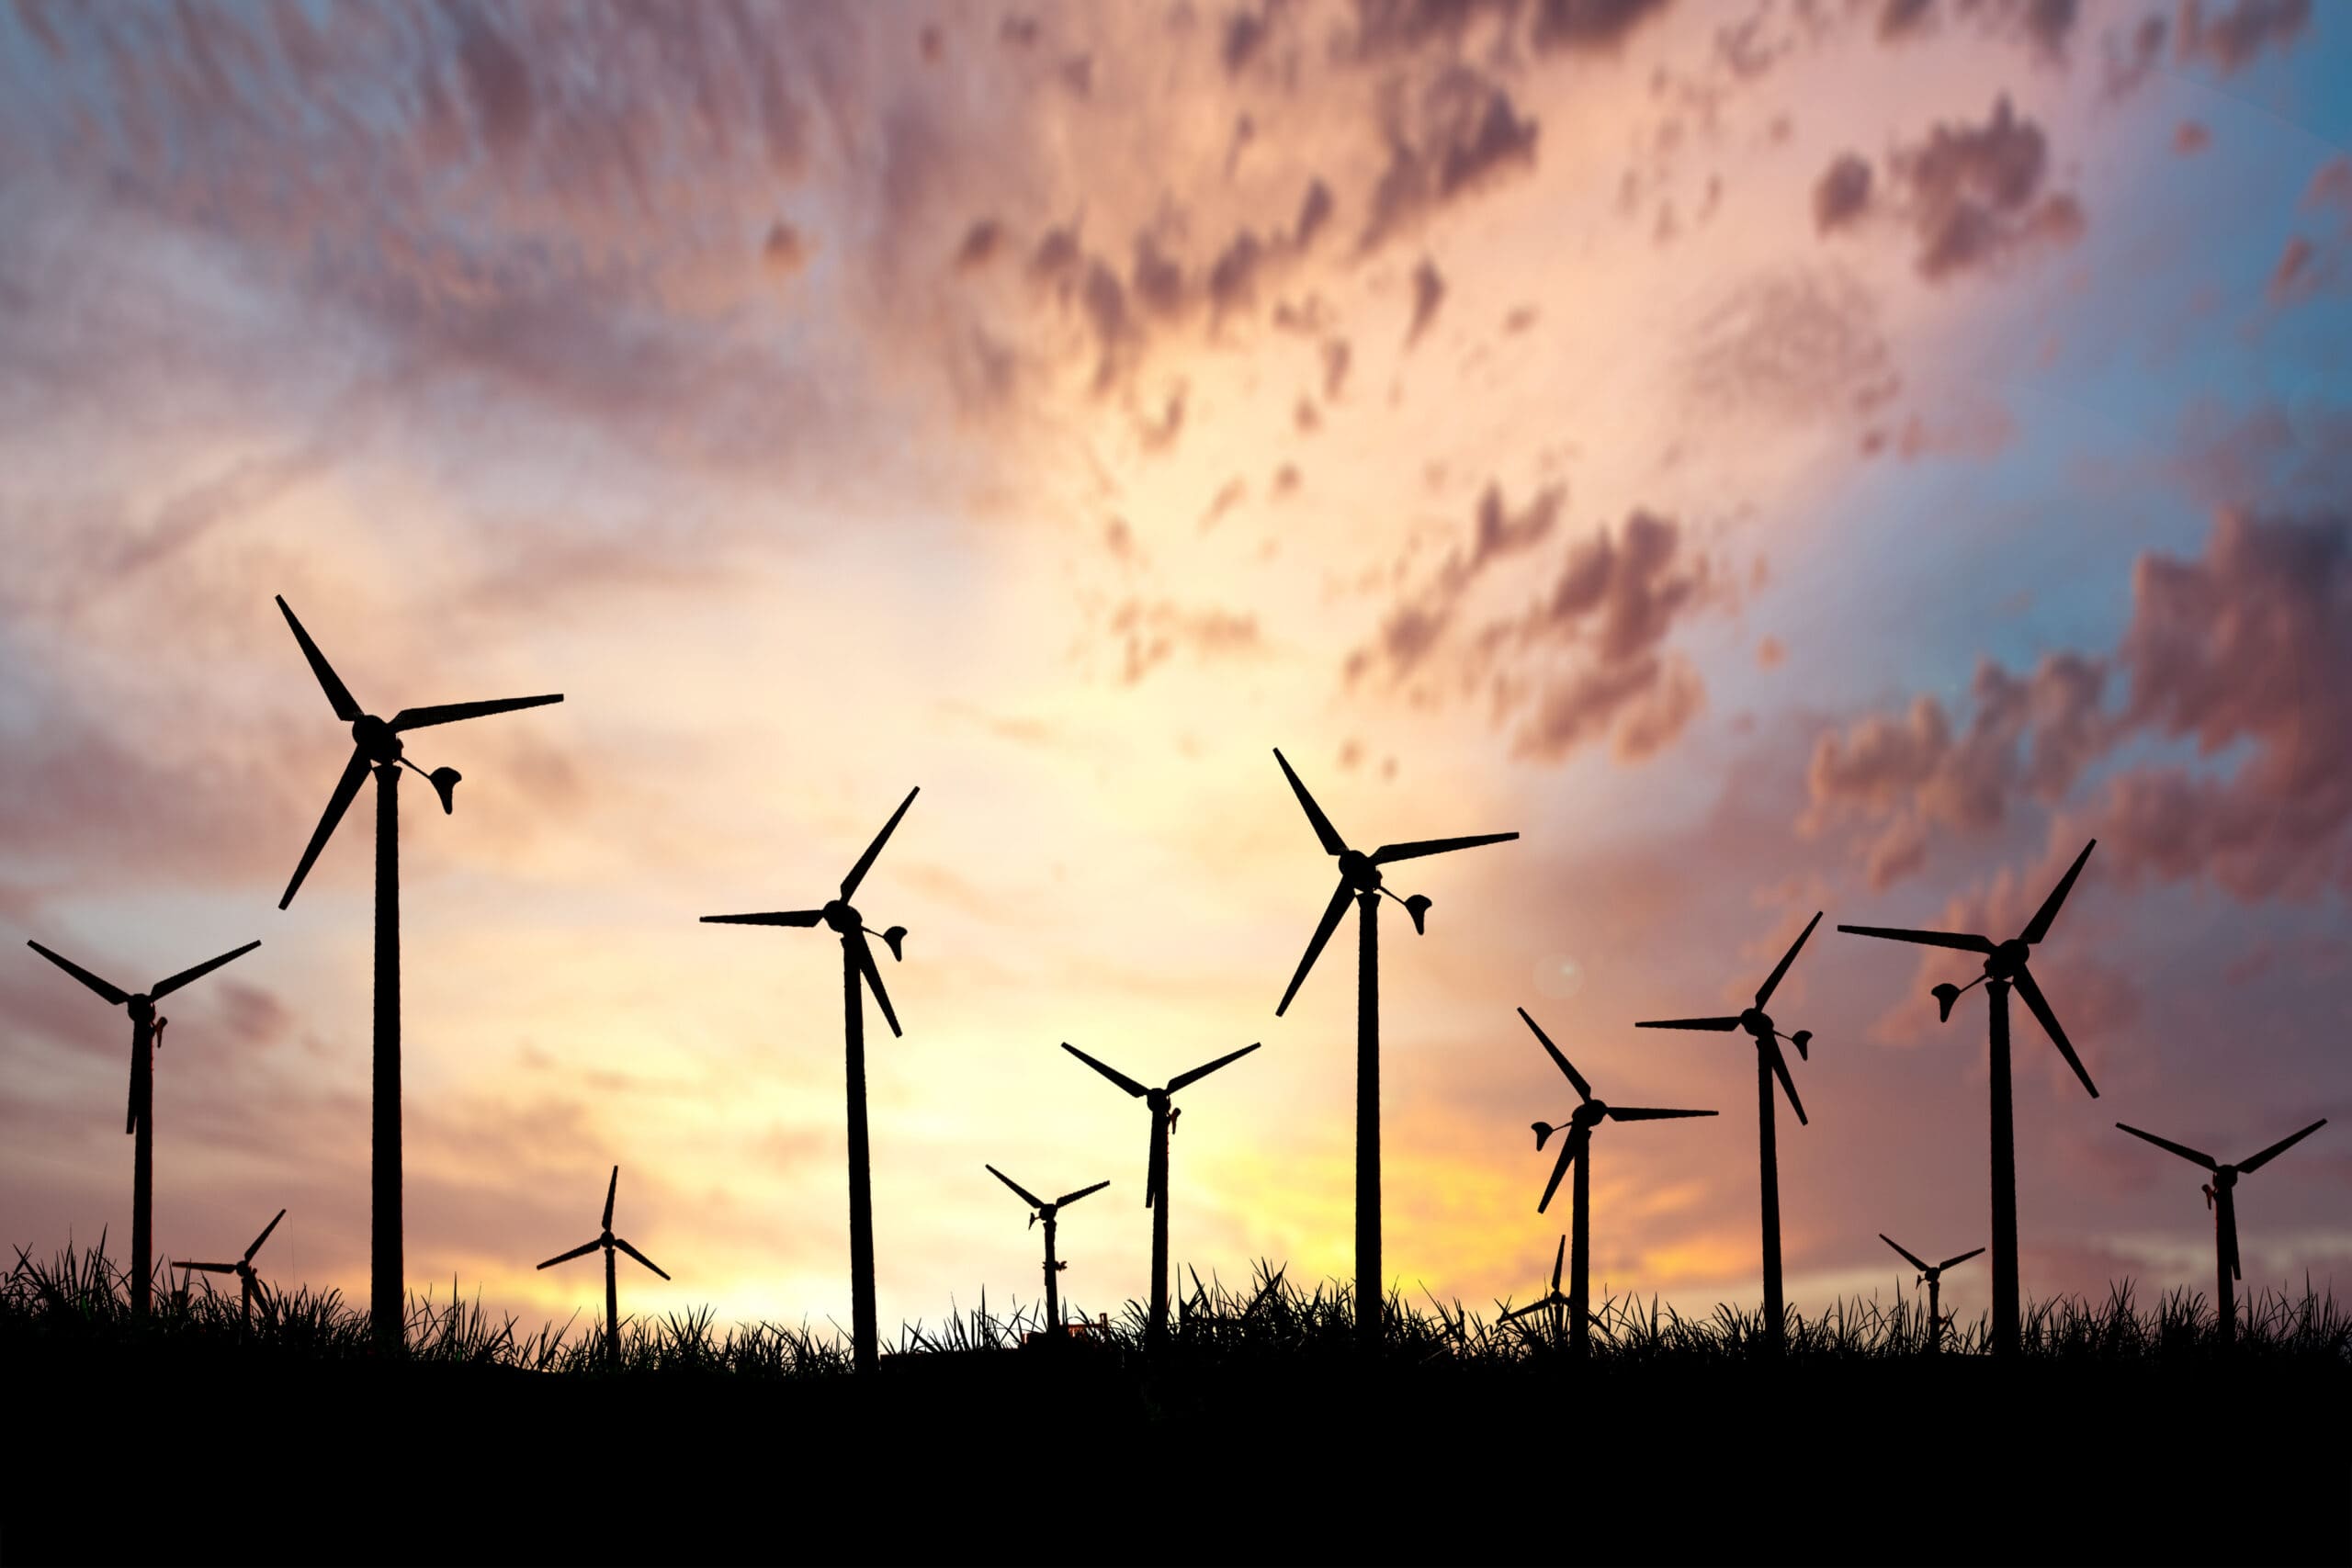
column 376, row 745
column 1589, row 1114
column 146, row 1039
column 1049, row 1212
column 2221, row 1197
column 1360, row 879
column 2004, row 967
column 1155, row 1189
column 1932, row 1275
column 248, row 1283
column 1769, row 1064
column 857, row 962
column 611, row 1244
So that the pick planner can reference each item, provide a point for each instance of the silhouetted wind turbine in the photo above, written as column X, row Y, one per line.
column 1049, row 1212
column 1360, row 878
column 248, row 1285
column 2004, row 966
column 1155, row 1189
column 1556, row 1301
column 1589, row 1115
column 857, row 960
column 376, row 743
column 1769, row 1064
column 2221, row 1197
column 146, row 1039
column 611, row 1244
column 1931, row 1275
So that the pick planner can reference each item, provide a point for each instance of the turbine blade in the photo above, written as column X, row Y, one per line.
column 865, row 862
column 1112, row 1073
column 1197, row 1074
column 1323, row 929
column 1965, row 941
column 585, row 1249
column 355, row 773
column 1764, row 993
column 1066, row 1199
column 2039, row 927
column 1419, row 847
column 264, row 1237
column 1908, row 1255
column 338, row 696
column 166, row 988
column 1649, row 1113
column 209, row 1268
column 1584, row 1089
column 640, row 1257
column 874, row 979
column 1026, row 1196
column 112, row 993
column 2039, row 1005
column 2280, row 1147
column 1568, row 1147
column 611, row 1188
column 1715, row 1025
column 2194, row 1156
column 778, row 918
column 1517, row 1313
column 1325, row 833
column 1961, row 1258
column 1559, row 1259
column 450, row 713
column 1788, row 1085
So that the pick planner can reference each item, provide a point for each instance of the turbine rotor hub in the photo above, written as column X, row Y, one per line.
column 1359, row 871
column 2003, row 961
column 375, row 738
column 143, row 1008
column 1589, row 1114
column 842, row 919
column 1156, row 1097
column 2225, row 1176
column 1757, row 1023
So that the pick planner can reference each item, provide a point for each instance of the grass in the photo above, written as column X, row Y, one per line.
column 1264, row 1432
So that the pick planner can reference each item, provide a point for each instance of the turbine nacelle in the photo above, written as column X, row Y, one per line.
column 376, row 741
column 1589, row 1114
column 1356, row 867
column 841, row 919
column 2003, row 961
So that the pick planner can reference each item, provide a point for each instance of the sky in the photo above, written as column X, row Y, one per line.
column 1775, row 458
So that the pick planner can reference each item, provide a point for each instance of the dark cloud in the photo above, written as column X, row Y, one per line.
column 1594, row 26
column 2331, row 186
column 2190, row 137
column 1900, row 18
column 2131, row 58
column 1841, row 194
column 1245, row 34
column 1428, row 293
column 980, row 244
column 2230, row 39
column 1448, row 138
column 1974, row 194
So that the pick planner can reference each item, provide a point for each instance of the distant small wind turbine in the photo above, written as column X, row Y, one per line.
column 610, row 1244
column 248, row 1284
column 1558, row 1302
column 2004, row 966
column 1155, row 1191
column 1931, row 1275
column 146, row 1039
column 1049, row 1212
column 2220, row 1196
column 1360, row 878
column 1589, row 1115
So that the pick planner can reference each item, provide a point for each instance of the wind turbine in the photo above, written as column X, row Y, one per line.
column 1589, row 1115
column 248, row 1285
column 2004, row 966
column 1049, row 1212
column 146, row 1039
column 611, row 1244
column 1769, row 1064
column 1360, row 878
column 1155, row 1189
column 857, row 961
column 2221, row 1197
column 1932, row 1275
column 1556, row 1301
column 376, row 744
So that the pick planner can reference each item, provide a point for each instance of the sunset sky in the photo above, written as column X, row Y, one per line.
column 1775, row 458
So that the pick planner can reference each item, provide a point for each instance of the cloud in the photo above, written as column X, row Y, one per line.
column 1841, row 194
column 2230, row 39
column 1448, row 138
column 1428, row 293
column 1152, row 632
column 2190, row 137
column 1974, row 194
column 1591, row 25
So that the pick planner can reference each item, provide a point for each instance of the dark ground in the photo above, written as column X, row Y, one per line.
column 214, row 1454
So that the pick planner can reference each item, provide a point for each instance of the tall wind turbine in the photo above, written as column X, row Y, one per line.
column 1589, row 1115
column 1769, row 1064
column 248, row 1283
column 2221, row 1197
column 376, row 744
column 2004, row 966
column 1049, row 1212
column 1932, row 1275
column 610, row 1244
column 857, row 962
column 146, row 1039
column 1155, row 1189
column 1360, row 879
